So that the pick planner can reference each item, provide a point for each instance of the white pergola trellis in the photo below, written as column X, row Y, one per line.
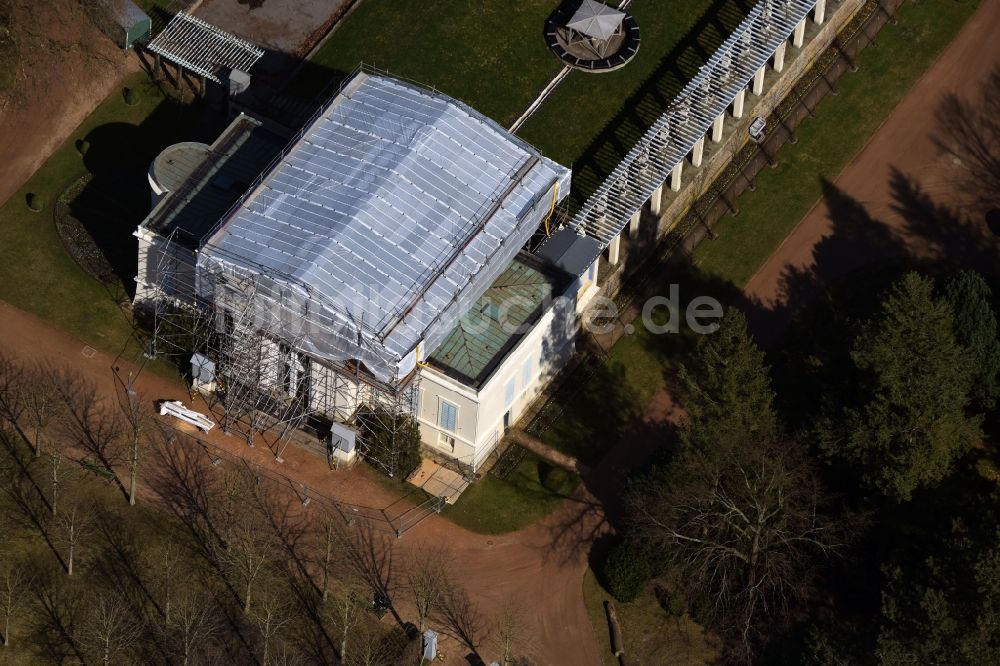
column 699, row 108
column 204, row 49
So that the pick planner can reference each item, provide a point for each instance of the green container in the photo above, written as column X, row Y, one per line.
column 135, row 23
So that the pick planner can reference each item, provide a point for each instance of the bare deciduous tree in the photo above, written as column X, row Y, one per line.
column 136, row 422
column 191, row 625
column 109, row 631
column 58, row 473
column 372, row 647
column 13, row 585
column 270, row 616
column 346, row 614
column 331, row 536
column 72, row 528
column 41, row 402
column 426, row 580
column 164, row 562
column 250, row 544
column 509, row 633
column 743, row 527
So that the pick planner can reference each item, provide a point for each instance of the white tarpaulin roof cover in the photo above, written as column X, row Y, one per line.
column 596, row 19
column 383, row 224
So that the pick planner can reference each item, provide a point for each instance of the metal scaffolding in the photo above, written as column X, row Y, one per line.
column 265, row 387
column 322, row 288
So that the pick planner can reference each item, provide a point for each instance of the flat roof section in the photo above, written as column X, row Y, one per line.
column 214, row 180
column 387, row 219
column 569, row 250
column 498, row 320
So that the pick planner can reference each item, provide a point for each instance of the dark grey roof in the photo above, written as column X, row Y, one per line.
column 240, row 154
column 569, row 250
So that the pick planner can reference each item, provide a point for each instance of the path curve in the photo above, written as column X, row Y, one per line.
column 542, row 566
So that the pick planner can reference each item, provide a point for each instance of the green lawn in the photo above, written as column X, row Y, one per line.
column 489, row 54
column 596, row 415
column 492, row 56
column 592, row 120
column 827, row 143
column 596, row 412
column 651, row 635
column 496, row 506
column 36, row 273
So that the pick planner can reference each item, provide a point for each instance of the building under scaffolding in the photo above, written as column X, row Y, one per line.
column 316, row 276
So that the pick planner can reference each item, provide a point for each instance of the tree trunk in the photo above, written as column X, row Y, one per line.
column 246, row 602
column 69, row 560
column 6, row 630
column 131, row 478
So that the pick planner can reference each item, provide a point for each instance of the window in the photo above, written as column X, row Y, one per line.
column 526, row 373
column 509, row 393
column 447, row 416
column 592, row 272
column 446, row 441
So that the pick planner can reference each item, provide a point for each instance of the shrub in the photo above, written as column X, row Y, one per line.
column 36, row 202
column 395, row 454
column 131, row 96
column 556, row 479
column 672, row 602
column 625, row 571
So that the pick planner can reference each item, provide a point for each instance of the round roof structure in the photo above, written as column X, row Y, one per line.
column 591, row 36
column 175, row 164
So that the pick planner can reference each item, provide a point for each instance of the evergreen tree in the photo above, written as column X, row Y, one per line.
column 909, row 424
column 726, row 389
column 975, row 326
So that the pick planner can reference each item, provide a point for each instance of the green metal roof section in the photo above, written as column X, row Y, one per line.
column 498, row 320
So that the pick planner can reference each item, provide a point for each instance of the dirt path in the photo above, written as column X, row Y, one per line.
column 65, row 68
column 896, row 196
column 541, row 566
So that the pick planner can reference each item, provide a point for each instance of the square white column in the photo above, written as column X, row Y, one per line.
column 738, row 103
column 698, row 152
column 820, row 14
column 779, row 57
column 758, row 82
column 675, row 176
column 613, row 250
column 656, row 200
column 717, row 127
column 633, row 223
column 799, row 36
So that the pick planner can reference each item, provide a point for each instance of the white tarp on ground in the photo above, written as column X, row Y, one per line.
column 597, row 20
column 383, row 224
